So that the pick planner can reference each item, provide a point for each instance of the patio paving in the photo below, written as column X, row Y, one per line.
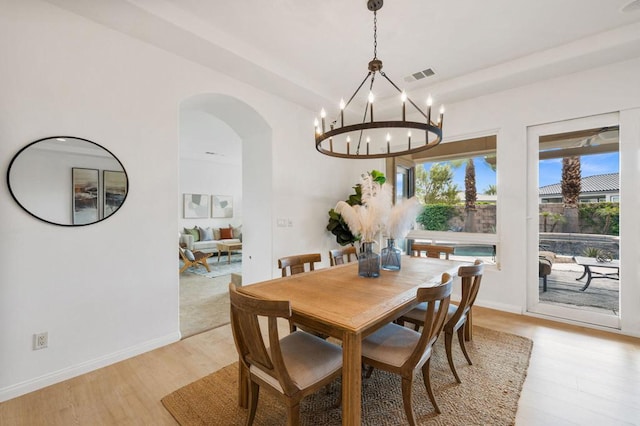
column 564, row 289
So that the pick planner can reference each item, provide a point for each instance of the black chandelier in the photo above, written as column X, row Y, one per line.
column 367, row 136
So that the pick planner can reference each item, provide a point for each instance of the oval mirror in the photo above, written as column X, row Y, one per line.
column 67, row 181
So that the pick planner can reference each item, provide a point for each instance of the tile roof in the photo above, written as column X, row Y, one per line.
column 609, row 182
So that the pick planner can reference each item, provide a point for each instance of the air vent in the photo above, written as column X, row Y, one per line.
column 419, row 75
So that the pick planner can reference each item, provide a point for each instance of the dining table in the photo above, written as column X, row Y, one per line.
column 338, row 302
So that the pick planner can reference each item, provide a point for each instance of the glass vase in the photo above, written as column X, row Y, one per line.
column 368, row 261
column 390, row 256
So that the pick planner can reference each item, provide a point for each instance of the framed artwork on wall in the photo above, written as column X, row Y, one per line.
column 85, row 195
column 196, row 206
column 221, row 206
column 115, row 191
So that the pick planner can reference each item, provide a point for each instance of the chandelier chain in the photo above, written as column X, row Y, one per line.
column 375, row 34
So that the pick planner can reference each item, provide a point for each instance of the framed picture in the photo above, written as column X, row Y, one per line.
column 221, row 206
column 196, row 206
column 115, row 191
column 85, row 196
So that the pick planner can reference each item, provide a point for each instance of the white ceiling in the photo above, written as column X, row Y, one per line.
column 314, row 53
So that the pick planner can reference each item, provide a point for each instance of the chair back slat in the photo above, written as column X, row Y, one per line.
column 336, row 256
column 296, row 264
column 247, row 334
column 437, row 300
column 431, row 250
column 471, row 277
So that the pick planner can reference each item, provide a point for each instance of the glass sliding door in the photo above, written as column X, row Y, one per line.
column 574, row 212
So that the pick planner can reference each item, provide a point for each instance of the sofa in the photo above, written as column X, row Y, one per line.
column 206, row 239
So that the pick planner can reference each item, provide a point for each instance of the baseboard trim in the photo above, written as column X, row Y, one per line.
column 513, row 309
column 49, row 379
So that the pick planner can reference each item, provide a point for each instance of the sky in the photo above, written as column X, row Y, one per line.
column 550, row 171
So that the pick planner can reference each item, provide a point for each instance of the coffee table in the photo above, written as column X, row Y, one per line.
column 228, row 247
column 591, row 262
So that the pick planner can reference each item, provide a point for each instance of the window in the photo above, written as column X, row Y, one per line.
column 457, row 185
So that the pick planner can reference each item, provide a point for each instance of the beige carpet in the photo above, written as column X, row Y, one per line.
column 204, row 303
column 488, row 394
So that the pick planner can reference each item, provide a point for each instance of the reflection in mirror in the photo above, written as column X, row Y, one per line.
column 67, row 181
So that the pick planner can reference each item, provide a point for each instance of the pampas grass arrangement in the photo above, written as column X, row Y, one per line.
column 401, row 218
column 367, row 220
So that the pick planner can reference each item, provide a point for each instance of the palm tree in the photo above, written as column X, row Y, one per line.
column 607, row 212
column 470, row 195
column 571, row 176
column 491, row 190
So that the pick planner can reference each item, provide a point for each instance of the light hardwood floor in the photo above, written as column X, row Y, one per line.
column 576, row 376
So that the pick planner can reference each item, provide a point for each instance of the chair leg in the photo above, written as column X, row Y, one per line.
column 427, row 384
column 368, row 372
column 205, row 264
column 293, row 416
column 448, row 340
column 462, row 346
column 253, row 402
column 406, row 400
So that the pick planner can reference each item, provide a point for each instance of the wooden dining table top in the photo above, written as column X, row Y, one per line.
column 340, row 298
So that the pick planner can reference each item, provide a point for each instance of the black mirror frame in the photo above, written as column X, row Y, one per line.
column 65, row 137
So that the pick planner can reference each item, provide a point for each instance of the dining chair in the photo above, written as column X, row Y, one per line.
column 458, row 316
column 296, row 264
column 402, row 351
column 294, row 366
column 193, row 259
column 336, row 256
column 431, row 250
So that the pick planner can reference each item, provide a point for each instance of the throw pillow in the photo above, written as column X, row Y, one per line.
column 226, row 233
column 189, row 255
column 216, row 233
column 194, row 232
column 237, row 231
column 206, row 234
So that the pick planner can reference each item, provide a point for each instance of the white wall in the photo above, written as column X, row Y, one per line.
column 202, row 173
column 108, row 291
column 592, row 92
column 209, row 177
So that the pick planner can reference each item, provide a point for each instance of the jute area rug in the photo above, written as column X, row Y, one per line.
column 488, row 394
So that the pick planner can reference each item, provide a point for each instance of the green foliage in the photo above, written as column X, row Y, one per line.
column 436, row 217
column 603, row 218
column 591, row 252
column 553, row 218
column 491, row 190
column 337, row 226
column 436, row 186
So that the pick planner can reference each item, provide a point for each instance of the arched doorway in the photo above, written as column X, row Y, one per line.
column 235, row 129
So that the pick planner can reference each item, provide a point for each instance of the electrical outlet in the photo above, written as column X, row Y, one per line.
column 40, row 340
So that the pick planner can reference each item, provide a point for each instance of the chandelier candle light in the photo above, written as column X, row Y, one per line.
column 367, row 127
